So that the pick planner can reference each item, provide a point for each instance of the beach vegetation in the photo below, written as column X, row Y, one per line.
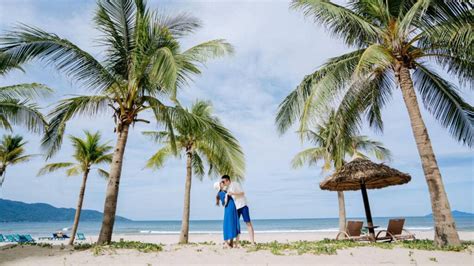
column 98, row 249
column 212, row 147
column 143, row 67
column 330, row 247
column 395, row 46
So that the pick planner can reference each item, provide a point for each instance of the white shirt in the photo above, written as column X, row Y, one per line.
column 239, row 200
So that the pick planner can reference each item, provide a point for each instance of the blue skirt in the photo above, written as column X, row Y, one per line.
column 231, row 226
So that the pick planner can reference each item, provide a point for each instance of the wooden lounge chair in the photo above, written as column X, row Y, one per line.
column 395, row 232
column 353, row 232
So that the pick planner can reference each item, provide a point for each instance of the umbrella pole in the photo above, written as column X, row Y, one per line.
column 370, row 224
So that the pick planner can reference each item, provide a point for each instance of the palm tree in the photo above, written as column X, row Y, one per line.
column 12, row 151
column 395, row 43
column 332, row 147
column 87, row 153
column 144, row 64
column 213, row 145
column 16, row 107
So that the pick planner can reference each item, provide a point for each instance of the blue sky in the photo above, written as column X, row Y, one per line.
column 275, row 47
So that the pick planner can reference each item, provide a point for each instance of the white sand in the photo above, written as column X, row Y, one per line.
column 215, row 254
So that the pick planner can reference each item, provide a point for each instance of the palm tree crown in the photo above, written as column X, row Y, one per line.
column 212, row 144
column 333, row 147
column 87, row 153
column 12, row 151
column 387, row 35
column 144, row 61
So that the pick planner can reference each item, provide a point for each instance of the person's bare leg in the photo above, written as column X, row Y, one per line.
column 251, row 233
column 236, row 243
column 227, row 244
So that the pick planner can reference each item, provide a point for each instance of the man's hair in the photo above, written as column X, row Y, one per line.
column 225, row 177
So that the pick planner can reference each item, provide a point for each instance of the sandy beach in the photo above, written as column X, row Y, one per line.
column 201, row 252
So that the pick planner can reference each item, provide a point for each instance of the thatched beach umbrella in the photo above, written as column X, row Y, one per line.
column 364, row 174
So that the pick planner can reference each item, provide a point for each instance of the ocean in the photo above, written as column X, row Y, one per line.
column 214, row 226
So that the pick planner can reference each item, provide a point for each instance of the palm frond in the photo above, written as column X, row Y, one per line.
column 24, row 113
column 24, row 158
column 205, row 51
column 157, row 136
column 164, row 115
column 102, row 173
column 443, row 101
column 158, row 159
column 53, row 167
column 64, row 111
column 24, row 91
column 310, row 156
column 340, row 21
column 75, row 170
column 116, row 20
column 375, row 58
column 316, row 88
column 106, row 158
column 409, row 18
column 198, row 166
column 26, row 43
column 363, row 143
column 179, row 25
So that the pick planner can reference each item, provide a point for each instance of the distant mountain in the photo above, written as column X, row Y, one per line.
column 456, row 214
column 16, row 211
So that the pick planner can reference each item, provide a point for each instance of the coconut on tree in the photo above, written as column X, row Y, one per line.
column 396, row 43
column 333, row 145
column 12, row 151
column 88, row 153
column 213, row 146
column 143, row 67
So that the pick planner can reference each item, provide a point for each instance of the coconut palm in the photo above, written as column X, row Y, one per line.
column 16, row 106
column 88, row 152
column 12, row 151
column 333, row 146
column 213, row 146
column 143, row 65
column 396, row 43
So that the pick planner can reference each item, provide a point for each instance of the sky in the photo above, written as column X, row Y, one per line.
column 275, row 47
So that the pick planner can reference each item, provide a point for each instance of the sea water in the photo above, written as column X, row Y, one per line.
column 215, row 226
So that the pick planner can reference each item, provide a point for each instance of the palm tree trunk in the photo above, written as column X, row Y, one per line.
column 342, row 211
column 110, row 205
column 445, row 228
column 184, row 236
column 79, row 207
column 2, row 173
